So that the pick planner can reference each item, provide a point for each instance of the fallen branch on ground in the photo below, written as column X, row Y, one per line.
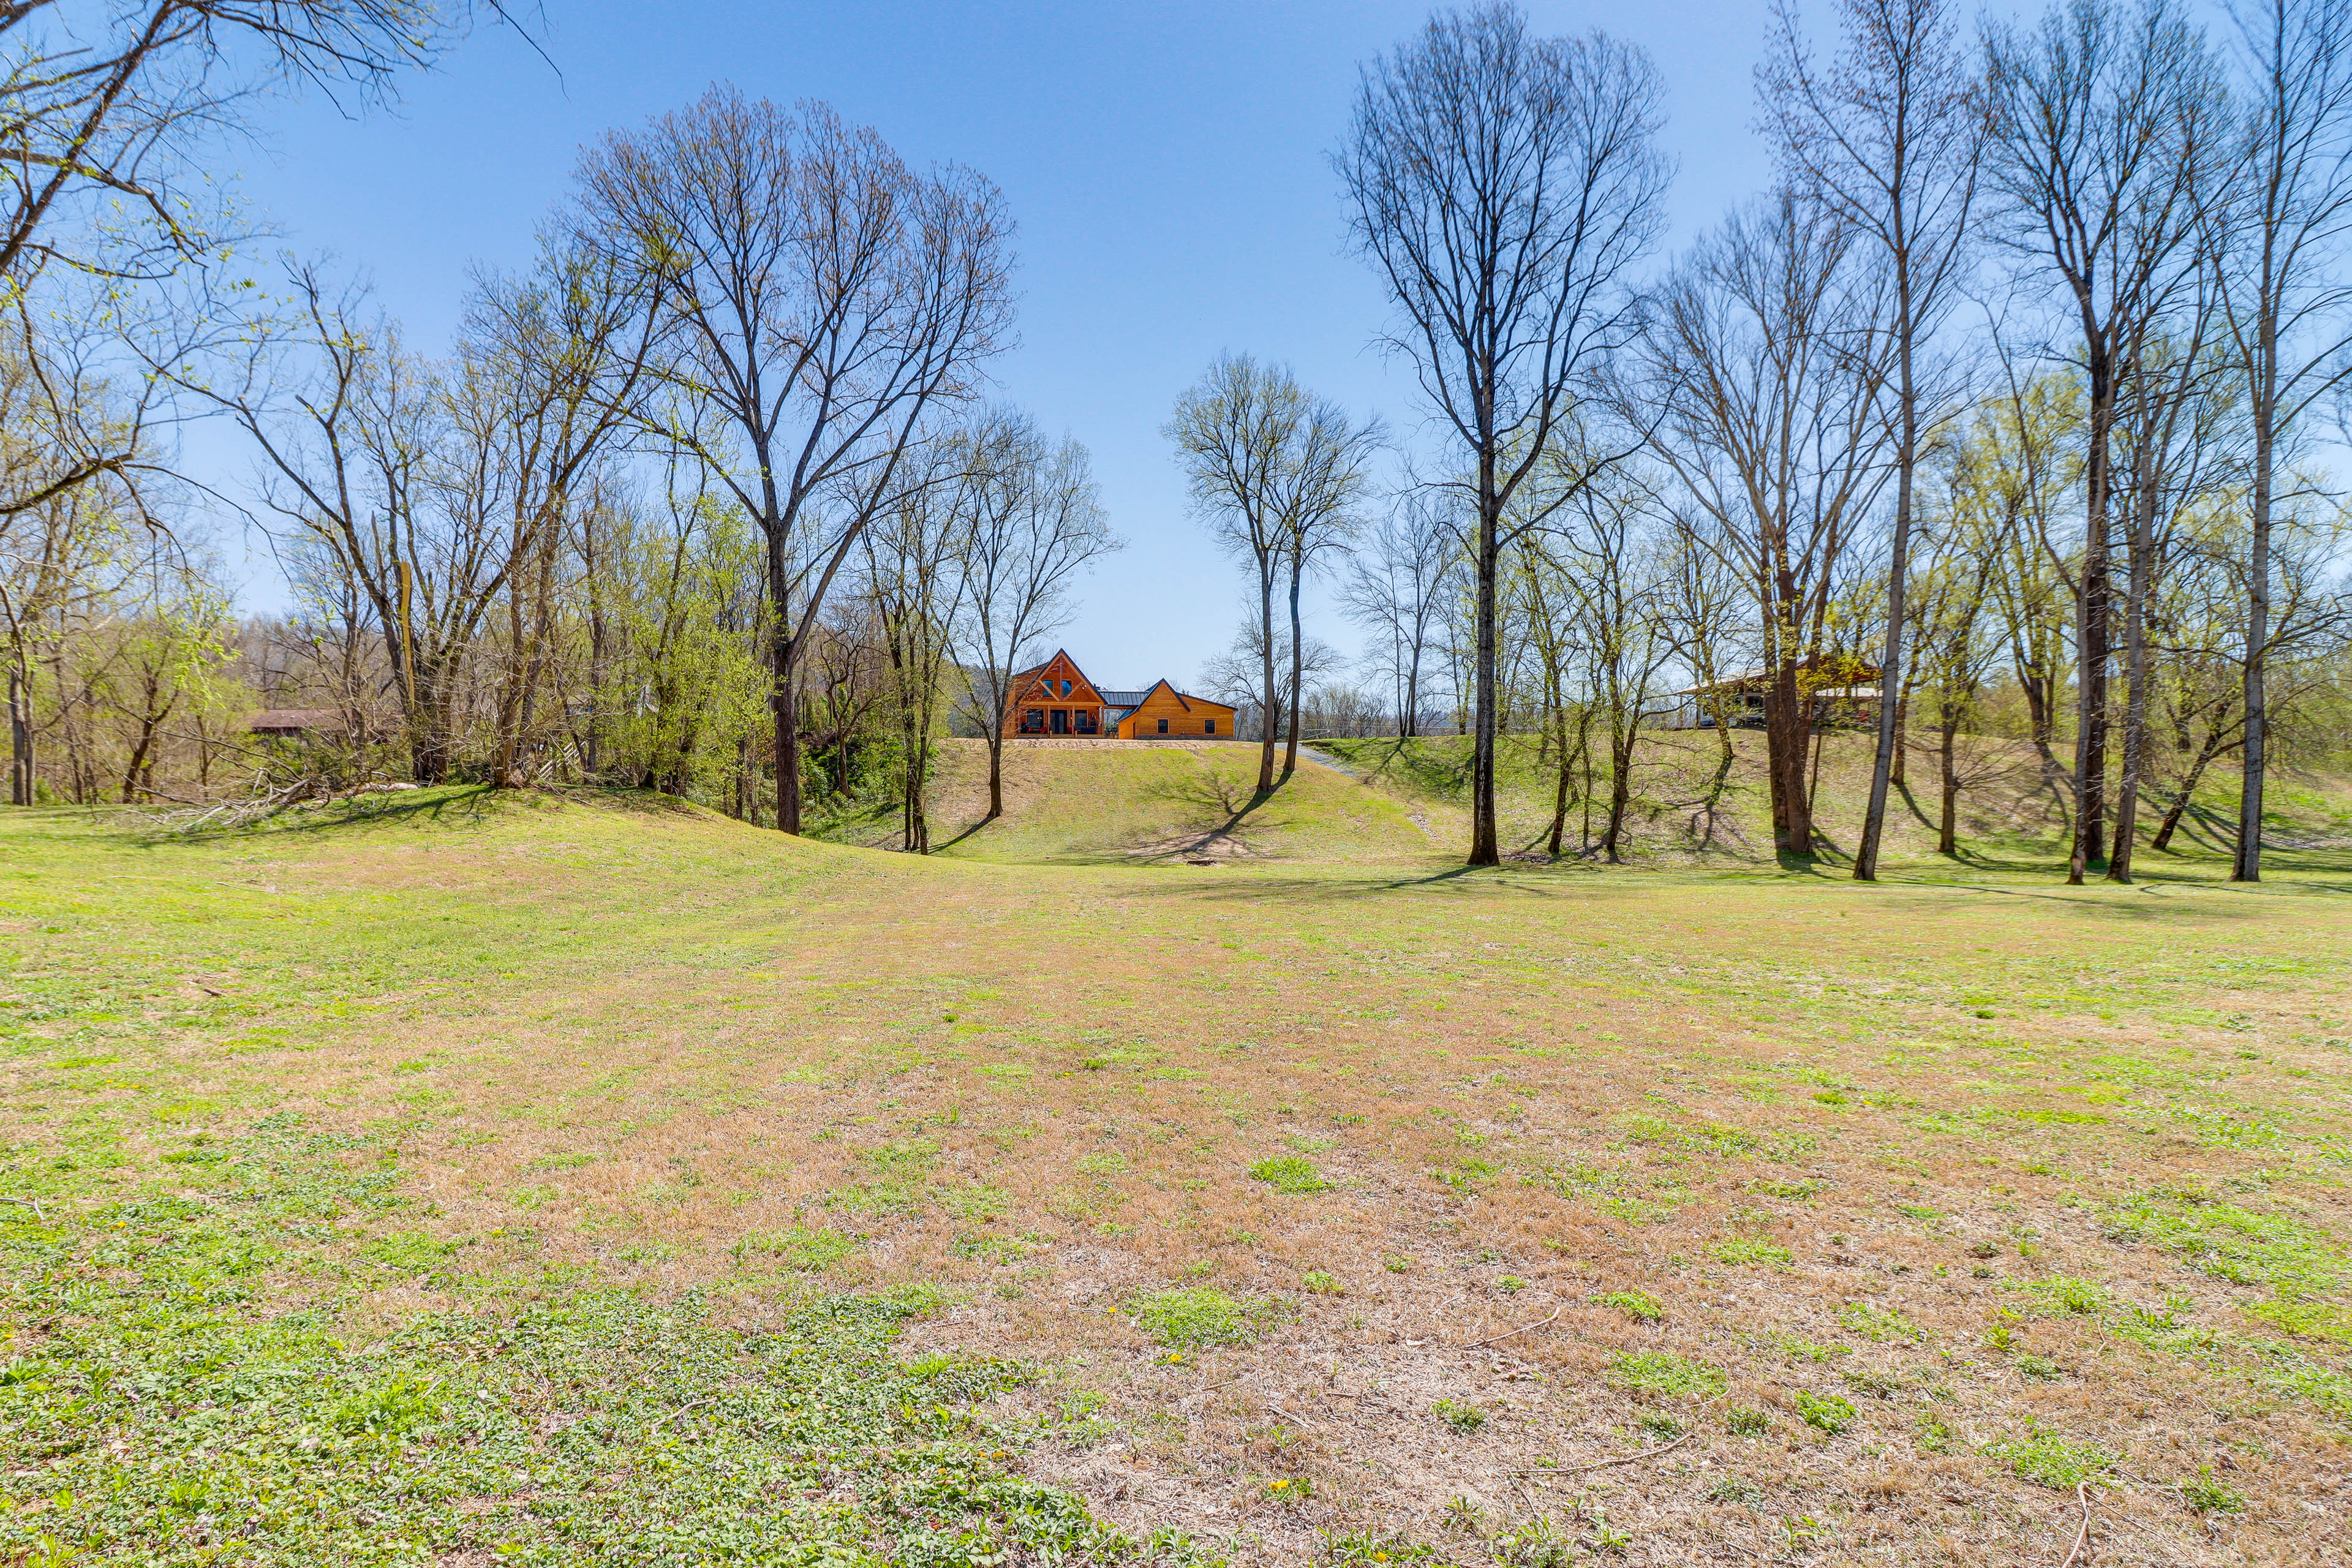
column 1522, row 1329
column 1604, row 1464
column 2082, row 1536
column 681, row 1411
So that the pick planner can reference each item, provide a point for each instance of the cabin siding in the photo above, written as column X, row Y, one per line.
column 1055, row 699
column 1184, row 716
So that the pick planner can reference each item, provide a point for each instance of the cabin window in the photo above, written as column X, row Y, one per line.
column 1208, row 726
column 1086, row 721
column 1163, row 726
column 1061, row 720
column 1033, row 720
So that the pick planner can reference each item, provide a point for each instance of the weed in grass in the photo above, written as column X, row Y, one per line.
column 1829, row 1412
column 1661, row 1426
column 977, row 1203
column 1395, row 1264
column 1510, row 1284
column 2071, row 1295
column 1799, row 1349
column 1364, row 1549
column 799, row 1248
column 2039, row 1368
column 1197, row 1316
column 1316, row 1282
column 1877, row 1385
column 1661, row 1372
column 2307, row 1319
column 1934, row 1435
column 1878, row 1323
column 1538, row 1543
column 1732, row 1488
column 2046, row 1459
column 1638, row 1305
column 1796, row 1191
column 1289, row 1174
column 1738, row 1249
column 2203, row 1494
column 1460, row 1414
column 1744, row 1421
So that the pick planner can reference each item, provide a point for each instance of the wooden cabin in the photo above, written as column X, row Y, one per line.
column 1842, row 691
column 1057, row 698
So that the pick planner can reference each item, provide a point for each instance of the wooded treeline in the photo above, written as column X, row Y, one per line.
column 2015, row 403
column 2011, row 405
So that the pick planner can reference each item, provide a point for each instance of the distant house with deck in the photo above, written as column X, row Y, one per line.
column 1057, row 698
column 1842, row 691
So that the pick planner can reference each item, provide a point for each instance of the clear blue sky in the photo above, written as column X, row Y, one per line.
column 1166, row 163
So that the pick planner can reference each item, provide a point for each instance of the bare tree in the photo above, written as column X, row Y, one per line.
column 356, row 454
column 915, row 576
column 110, row 107
column 821, row 298
column 1396, row 587
column 554, row 364
column 1887, row 138
column 2101, row 123
column 1317, row 487
column 1033, row 521
column 2278, row 243
column 2172, row 429
column 1275, row 471
column 1760, row 378
column 1504, row 186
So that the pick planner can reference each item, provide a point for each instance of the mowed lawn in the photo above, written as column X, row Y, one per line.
column 464, row 1178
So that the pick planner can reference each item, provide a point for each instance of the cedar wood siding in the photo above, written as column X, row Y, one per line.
column 1030, row 691
column 1185, row 716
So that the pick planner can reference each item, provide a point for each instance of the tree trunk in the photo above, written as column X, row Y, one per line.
column 1560, row 788
column 20, row 733
column 1270, row 701
column 1483, row 849
column 1622, row 736
column 1899, row 569
column 1298, row 662
column 1947, row 824
column 2141, row 569
column 2247, row 864
column 2211, row 749
column 1785, row 745
column 2093, row 633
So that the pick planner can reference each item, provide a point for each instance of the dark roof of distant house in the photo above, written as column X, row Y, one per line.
column 270, row 719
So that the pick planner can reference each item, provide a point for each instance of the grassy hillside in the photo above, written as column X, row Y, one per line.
column 1688, row 808
column 458, row 1178
column 1105, row 803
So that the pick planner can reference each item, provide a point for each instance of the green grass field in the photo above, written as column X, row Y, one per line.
column 453, row 1177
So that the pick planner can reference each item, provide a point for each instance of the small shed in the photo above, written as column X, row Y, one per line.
column 300, row 723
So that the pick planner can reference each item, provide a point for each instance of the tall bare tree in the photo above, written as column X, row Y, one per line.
column 2280, row 246
column 1275, row 471
column 1319, row 488
column 555, row 363
column 1760, row 379
column 1033, row 521
column 1885, row 136
column 1396, row 587
column 822, row 297
column 2103, row 121
column 915, row 576
column 1504, row 186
